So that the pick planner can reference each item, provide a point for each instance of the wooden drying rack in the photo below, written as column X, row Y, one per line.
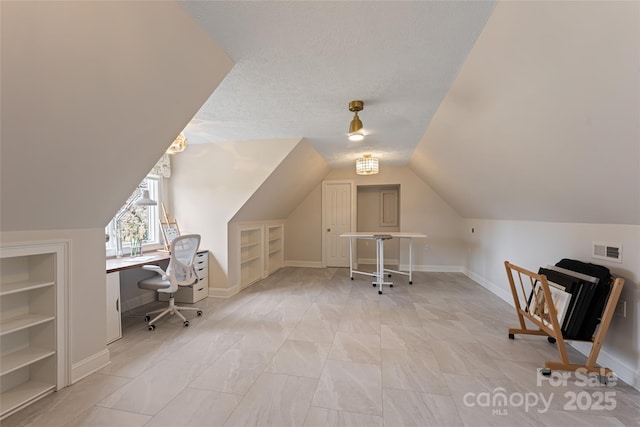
column 553, row 330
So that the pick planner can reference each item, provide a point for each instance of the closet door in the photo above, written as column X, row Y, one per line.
column 338, row 216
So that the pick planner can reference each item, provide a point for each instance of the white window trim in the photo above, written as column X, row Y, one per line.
column 157, row 244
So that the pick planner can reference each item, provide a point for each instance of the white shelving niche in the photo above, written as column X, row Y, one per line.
column 33, row 335
column 251, row 255
column 275, row 248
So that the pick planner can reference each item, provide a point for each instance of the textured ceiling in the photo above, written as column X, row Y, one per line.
column 298, row 64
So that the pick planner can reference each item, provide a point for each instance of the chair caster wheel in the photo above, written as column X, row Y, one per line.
column 512, row 337
column 147, row 318
column 391, row 286
column 199, row 312
column 185, row 323
column 551, row 340
column 545, row 371
column 352, row 278
column 379, row 292
column 388, row 275
column 151, row 327
column 410, row 282
column 373, row 284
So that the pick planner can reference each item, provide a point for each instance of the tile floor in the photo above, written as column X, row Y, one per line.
column 310, row 347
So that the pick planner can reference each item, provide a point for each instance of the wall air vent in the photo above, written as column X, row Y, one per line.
column 607, row 251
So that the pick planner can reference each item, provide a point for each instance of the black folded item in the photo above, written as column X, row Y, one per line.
column 599, row 294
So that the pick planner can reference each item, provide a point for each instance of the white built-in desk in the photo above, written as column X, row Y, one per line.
column 186, row 294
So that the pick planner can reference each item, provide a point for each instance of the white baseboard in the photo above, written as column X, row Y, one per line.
column 433, row 268
column 606, row 359
column 503, row 294
column 622, row 371
column 90, row 365
column 308, row 264
column 223, row 292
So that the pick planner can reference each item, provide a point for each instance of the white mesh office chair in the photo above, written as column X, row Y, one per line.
column 180, row 272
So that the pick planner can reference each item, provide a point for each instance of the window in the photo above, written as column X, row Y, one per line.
column 137, row 222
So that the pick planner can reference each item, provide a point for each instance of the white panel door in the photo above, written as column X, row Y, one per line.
column 337, row 218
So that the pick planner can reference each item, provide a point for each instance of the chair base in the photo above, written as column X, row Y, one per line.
column 172, row 309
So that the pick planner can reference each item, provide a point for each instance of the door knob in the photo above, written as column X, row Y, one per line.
column 328, row 230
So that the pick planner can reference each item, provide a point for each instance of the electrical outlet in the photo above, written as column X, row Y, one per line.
column 621, row 308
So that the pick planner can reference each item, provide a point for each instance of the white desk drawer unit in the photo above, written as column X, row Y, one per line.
column 198, row 290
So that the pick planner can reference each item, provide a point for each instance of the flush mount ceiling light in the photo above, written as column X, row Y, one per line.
column 178, row 145
column 355, row 127
column 367, row 165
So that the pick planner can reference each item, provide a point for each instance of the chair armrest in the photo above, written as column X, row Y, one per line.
column 157, row 270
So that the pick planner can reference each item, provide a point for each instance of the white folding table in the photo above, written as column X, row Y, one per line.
column 380, row 237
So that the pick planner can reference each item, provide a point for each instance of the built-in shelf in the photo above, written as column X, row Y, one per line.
column 18, row 396
column 32, row 334
column 248, row 245
column 24, row 321
column 21, row 358
column 27, row 285
column 275, row 256
column 251, row 255
column 260, row 246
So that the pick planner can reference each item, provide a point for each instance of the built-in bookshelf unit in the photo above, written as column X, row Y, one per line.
column 275, row 248
column 257, row 250
column 251, row 255
column 33, row 359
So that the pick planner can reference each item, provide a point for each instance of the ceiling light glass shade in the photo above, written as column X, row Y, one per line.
column 145, row 200
column 178, row 145
column 356, row 136
column 367, row 165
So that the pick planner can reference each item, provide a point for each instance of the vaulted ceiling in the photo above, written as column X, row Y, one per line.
column 514, row 110
column 298, row 64
column 509, row 110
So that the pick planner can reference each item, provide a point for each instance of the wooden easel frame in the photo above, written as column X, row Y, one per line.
column 170, row 230
column 553, row 331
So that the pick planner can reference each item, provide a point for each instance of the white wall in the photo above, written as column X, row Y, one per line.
column 88, row 109
column 303, row 232
column 541, row 123
column 536, row 244
column 211, row 182
column 421, row 210
column 297, row 174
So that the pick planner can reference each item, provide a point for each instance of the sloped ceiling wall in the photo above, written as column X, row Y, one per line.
column 294, row 178
column 543, row 120
column 92, row 95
